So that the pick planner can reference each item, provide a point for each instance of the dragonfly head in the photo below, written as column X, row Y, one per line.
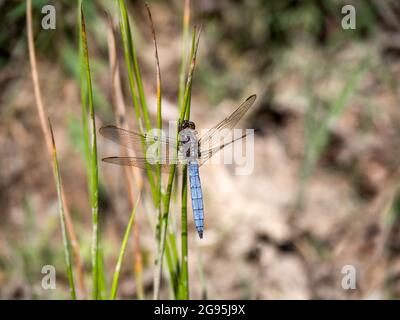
column 186, row 124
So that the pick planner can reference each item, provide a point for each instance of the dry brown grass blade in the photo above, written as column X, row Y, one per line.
column 186, row 13
column 132, row 174
column 47, row 136
column 158, row 76
column 120, row 108
column 159, row 127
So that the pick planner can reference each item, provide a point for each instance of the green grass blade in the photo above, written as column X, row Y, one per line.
column 183, row 293
column 93, row 166
column 102, row 281
column 83, row 87
column 126, row 41
column 159, row 122
column 184, row 275
column 172, row 256
column 185, row 107
column 184, row 59
column 139, row 83
column 188, row 88
column 135, row 85
column 133, row 76
column 138, row 267
column 128, row 229
column 133, row 61
column 66, row 240
column 200, row 271
column 167, row 196
column 133, row 177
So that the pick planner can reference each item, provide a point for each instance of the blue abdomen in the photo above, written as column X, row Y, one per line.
column 197, row 197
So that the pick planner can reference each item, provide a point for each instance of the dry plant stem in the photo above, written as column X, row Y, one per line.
column 159, row 114
column 119, row 104
column 159, row 127
column 47, row 135
column 132, row 173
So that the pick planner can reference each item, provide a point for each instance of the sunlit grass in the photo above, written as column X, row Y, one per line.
column 128, row 229
column 89, row 131
column 166, row 238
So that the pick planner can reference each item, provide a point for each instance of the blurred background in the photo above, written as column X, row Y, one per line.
column 324, row 192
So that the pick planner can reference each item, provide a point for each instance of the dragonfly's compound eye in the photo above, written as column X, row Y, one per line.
column 186, row 124
column 183, row 125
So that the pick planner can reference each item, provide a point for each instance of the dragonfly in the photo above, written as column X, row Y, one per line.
column 159, row 152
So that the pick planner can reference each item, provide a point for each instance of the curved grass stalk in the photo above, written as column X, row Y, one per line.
column 171, row 251
column 90, row 140
column 159, row 116
column 66, row 241
column 128, row 229
column 184, row 60
column 132, row 173
column 134, row 74
column 47, row 135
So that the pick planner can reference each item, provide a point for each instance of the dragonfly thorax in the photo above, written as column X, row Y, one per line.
column 189, row 144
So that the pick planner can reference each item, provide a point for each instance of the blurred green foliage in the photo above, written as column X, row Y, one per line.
column 257, row 33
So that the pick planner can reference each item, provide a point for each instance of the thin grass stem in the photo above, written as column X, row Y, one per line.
column 134, row 73
column 167, row 196
column 97, row 260
column 132, row 173
column 47, row 135
column 184, row 59
column 184, row 276
column 128, row 229
column 66, row 241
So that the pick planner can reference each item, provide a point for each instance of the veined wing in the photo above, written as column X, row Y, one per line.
column 215, row 137
column 141, row 162
column 140, row 143
column 206, row 155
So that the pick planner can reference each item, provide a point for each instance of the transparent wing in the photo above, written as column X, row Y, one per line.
column 151, row 150
column 143, row 163
column 215, row 137
column 140, row 143
column 206, row 155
